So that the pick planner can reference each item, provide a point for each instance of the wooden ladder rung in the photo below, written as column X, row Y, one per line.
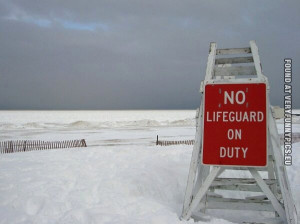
column 235, row 60
column 245, row 187
column 199, row 216
column 258, row 198
column 259, row 220
column 255, row 220
column 221, row 199
column 237, row 204
column 245, row 50
column 237, row 181
column 236, row 70
column 246, row 168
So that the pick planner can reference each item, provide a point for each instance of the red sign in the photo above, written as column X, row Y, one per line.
column 235, row 125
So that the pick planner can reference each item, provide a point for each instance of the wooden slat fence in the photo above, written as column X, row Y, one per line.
column 30, row 145
column 166, row 143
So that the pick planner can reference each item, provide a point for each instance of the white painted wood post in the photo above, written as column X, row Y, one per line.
column 268, row 193
column 290, row 209
column 210, row 178
column 211, row 61
column 194, row 163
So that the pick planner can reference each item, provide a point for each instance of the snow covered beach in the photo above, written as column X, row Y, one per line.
column 121, row 177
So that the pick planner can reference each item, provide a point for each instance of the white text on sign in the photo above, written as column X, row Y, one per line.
column 234, row 97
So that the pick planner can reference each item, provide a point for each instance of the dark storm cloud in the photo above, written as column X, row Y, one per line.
column 134, row 54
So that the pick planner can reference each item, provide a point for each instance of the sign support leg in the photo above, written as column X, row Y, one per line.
column 210, row 178
column 264, row 187
column 290, row 210
column 194, row 163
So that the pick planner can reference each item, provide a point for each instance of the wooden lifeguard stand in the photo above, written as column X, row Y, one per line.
column 266, row 184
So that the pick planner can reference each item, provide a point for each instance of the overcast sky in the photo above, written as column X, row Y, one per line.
column 134, row 54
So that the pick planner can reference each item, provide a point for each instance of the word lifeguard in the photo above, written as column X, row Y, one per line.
column 234, row 116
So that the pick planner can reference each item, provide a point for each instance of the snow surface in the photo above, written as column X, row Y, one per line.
column 121, row 177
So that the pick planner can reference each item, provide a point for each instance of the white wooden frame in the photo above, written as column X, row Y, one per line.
column 203, row 178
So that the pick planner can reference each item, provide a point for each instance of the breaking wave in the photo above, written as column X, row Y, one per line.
column 137, row 123
column 96, row 125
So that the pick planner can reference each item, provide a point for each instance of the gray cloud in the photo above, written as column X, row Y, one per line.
column 134, row 54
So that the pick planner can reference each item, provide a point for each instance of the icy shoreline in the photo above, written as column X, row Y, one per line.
column 122, row 177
